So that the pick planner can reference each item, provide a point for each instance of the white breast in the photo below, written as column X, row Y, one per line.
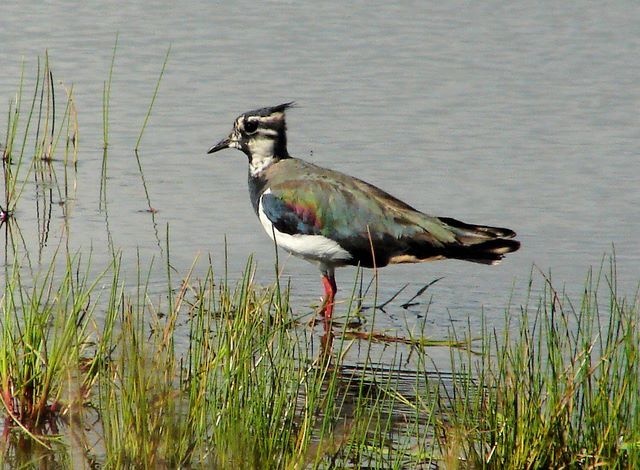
column 314, row 248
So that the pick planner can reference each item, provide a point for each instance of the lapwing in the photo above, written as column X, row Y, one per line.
column 334, row 220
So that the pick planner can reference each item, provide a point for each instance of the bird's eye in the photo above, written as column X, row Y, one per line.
column 250, row 126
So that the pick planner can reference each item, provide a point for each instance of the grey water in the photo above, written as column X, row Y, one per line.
column 519, row 115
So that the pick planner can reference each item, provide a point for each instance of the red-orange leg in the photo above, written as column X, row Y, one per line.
column 329, row 284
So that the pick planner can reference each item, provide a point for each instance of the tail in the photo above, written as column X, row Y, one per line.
column 479, row 243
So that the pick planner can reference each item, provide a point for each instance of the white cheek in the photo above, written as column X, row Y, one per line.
column 261, row 148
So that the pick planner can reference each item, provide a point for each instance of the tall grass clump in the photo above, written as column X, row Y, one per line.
column 256, row 378
column 227, row 399
column 44, row 349
column 559, row 388
column 40, row 123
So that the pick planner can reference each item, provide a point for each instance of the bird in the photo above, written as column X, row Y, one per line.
column 333, row 220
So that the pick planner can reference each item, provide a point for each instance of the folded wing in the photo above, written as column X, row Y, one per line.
column 374, row 227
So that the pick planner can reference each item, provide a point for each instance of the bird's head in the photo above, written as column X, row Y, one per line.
column 260, row 134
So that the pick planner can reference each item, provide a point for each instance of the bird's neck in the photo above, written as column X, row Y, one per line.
column 263, row 153
column 257, row 185
column 259, row 163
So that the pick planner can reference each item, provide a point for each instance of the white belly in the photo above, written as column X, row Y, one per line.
column 315, row 248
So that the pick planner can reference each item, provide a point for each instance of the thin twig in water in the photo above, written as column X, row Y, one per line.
column 392, row 298
column 421, row 291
